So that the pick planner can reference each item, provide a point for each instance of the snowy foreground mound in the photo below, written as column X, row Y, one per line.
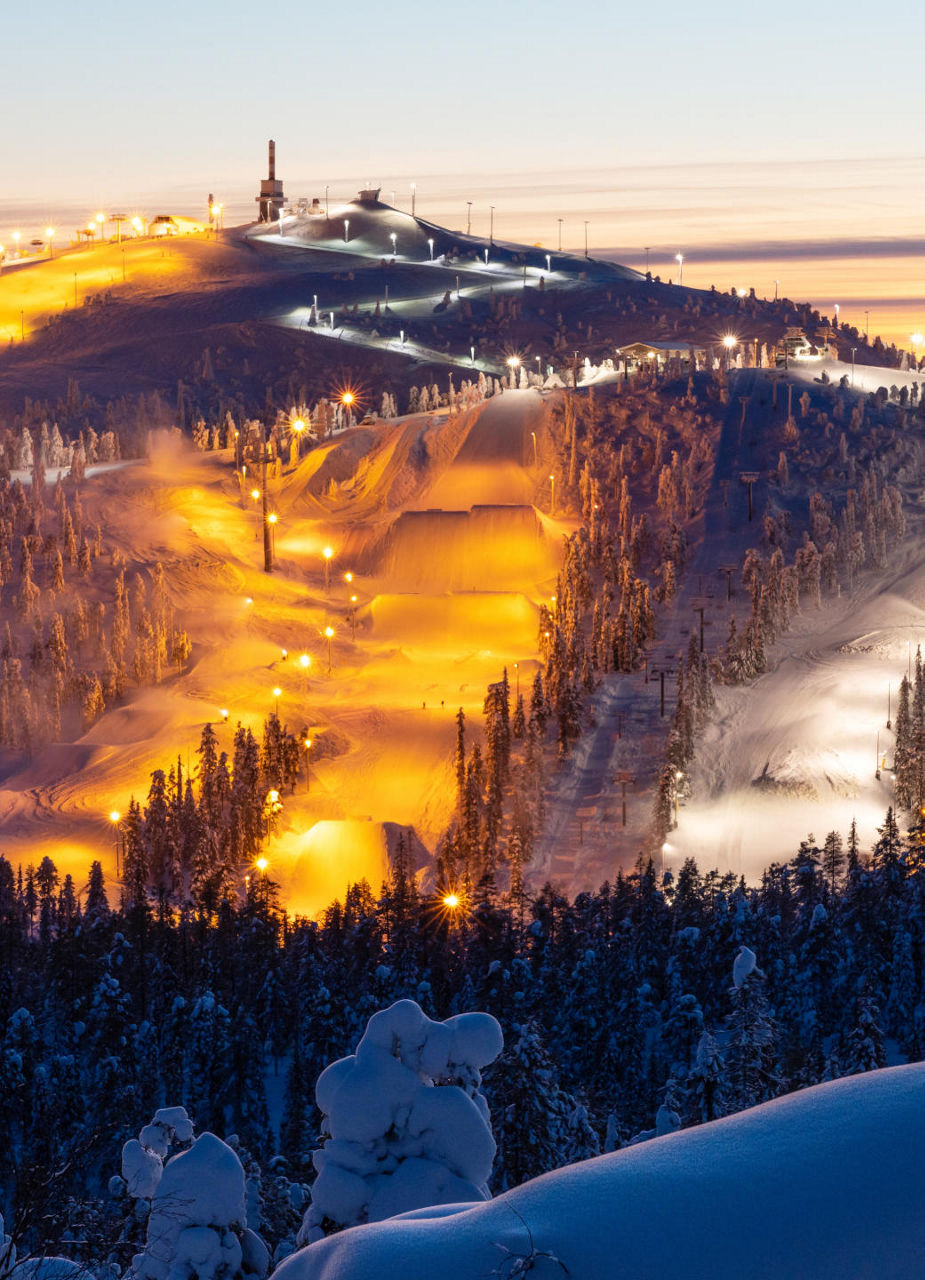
column 823, row 1183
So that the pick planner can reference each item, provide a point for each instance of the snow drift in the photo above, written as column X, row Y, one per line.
column 822, row 1183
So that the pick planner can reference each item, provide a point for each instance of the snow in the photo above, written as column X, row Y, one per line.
column 745, row 963
column 197, row 1214
column 822, row 1183
column 396, row 1142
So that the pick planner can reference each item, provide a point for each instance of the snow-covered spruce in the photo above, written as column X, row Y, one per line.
column 197, row 1219
column 395, row 1142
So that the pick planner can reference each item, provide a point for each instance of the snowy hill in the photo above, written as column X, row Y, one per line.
column 822, row 1183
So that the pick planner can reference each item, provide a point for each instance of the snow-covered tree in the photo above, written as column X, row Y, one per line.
column 405, row 1122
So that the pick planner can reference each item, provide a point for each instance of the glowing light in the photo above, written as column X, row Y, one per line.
column 261, row 863
column 277, row 692
column 115, row 816
column 348, row 577
column 328, row 552
column 304, row 660
column 224, row 713
column 137, row 223
column 451, row 900
column 513, row 361
column 329, row 632
column 298, row 426
column 249, row 600
column 730, row 341
column 347, row 398
column 49, row 233
column 741, row 293
column 917, row 339
column 255, row 494
column 272, row 518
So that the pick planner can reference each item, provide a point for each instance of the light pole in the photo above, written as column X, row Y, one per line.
column 327, row 208
column 647, row 265
column 394, row 238
column 853, row 349
column 414, row 192
column 776, row 287
column 679, row 258
column 586, row 239
column 353, row 618
column 308, row 773
column 491, row 224
column 729, row 342
column 560, row 221
column 552, row 499
column 115, row 817
column 272, row 519
column 298, row 426
column 328, row 552
column 468, row 217
column 329, row 634
column 512, row 363
column 549, row 263
column 430, row 242
column 101, row 222
column 867, row 326
column 346, row 230
column 277, row 694
column 533, row 436
column 50, row 237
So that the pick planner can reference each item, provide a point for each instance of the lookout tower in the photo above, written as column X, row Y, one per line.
column 270, row 200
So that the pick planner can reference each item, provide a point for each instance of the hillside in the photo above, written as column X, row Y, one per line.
column 821, row 1183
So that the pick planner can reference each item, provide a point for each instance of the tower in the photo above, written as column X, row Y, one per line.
column 270, row 200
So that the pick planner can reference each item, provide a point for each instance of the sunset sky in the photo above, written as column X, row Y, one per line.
column 763, row 146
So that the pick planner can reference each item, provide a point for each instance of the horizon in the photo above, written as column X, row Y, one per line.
column 731, row 222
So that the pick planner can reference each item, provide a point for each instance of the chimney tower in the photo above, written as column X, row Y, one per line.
column 270, row 200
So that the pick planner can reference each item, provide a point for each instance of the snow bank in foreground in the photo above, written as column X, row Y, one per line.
column 823, row 1183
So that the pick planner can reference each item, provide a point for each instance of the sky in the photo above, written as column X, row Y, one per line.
column 734, row 133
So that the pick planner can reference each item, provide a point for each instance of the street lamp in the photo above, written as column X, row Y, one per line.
column 560, row 221
column 679, row 258
column 328, row 552
column 17, row 236
column 277, row 694
column 393, row 236
column 137, row 225
column 346, row 230
column 101, row 220
column 115, row 817
column 512, row 364
column 552, row 501
column 50, row 238
column 329, row 634
column 549, row 263
column 272, row 518
column 430, row 242
column 586, row 239
column 307, row 744
column 353, row 618
column 298, row 426
column 304, row 661
column 491, row 224
column 729, row 341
